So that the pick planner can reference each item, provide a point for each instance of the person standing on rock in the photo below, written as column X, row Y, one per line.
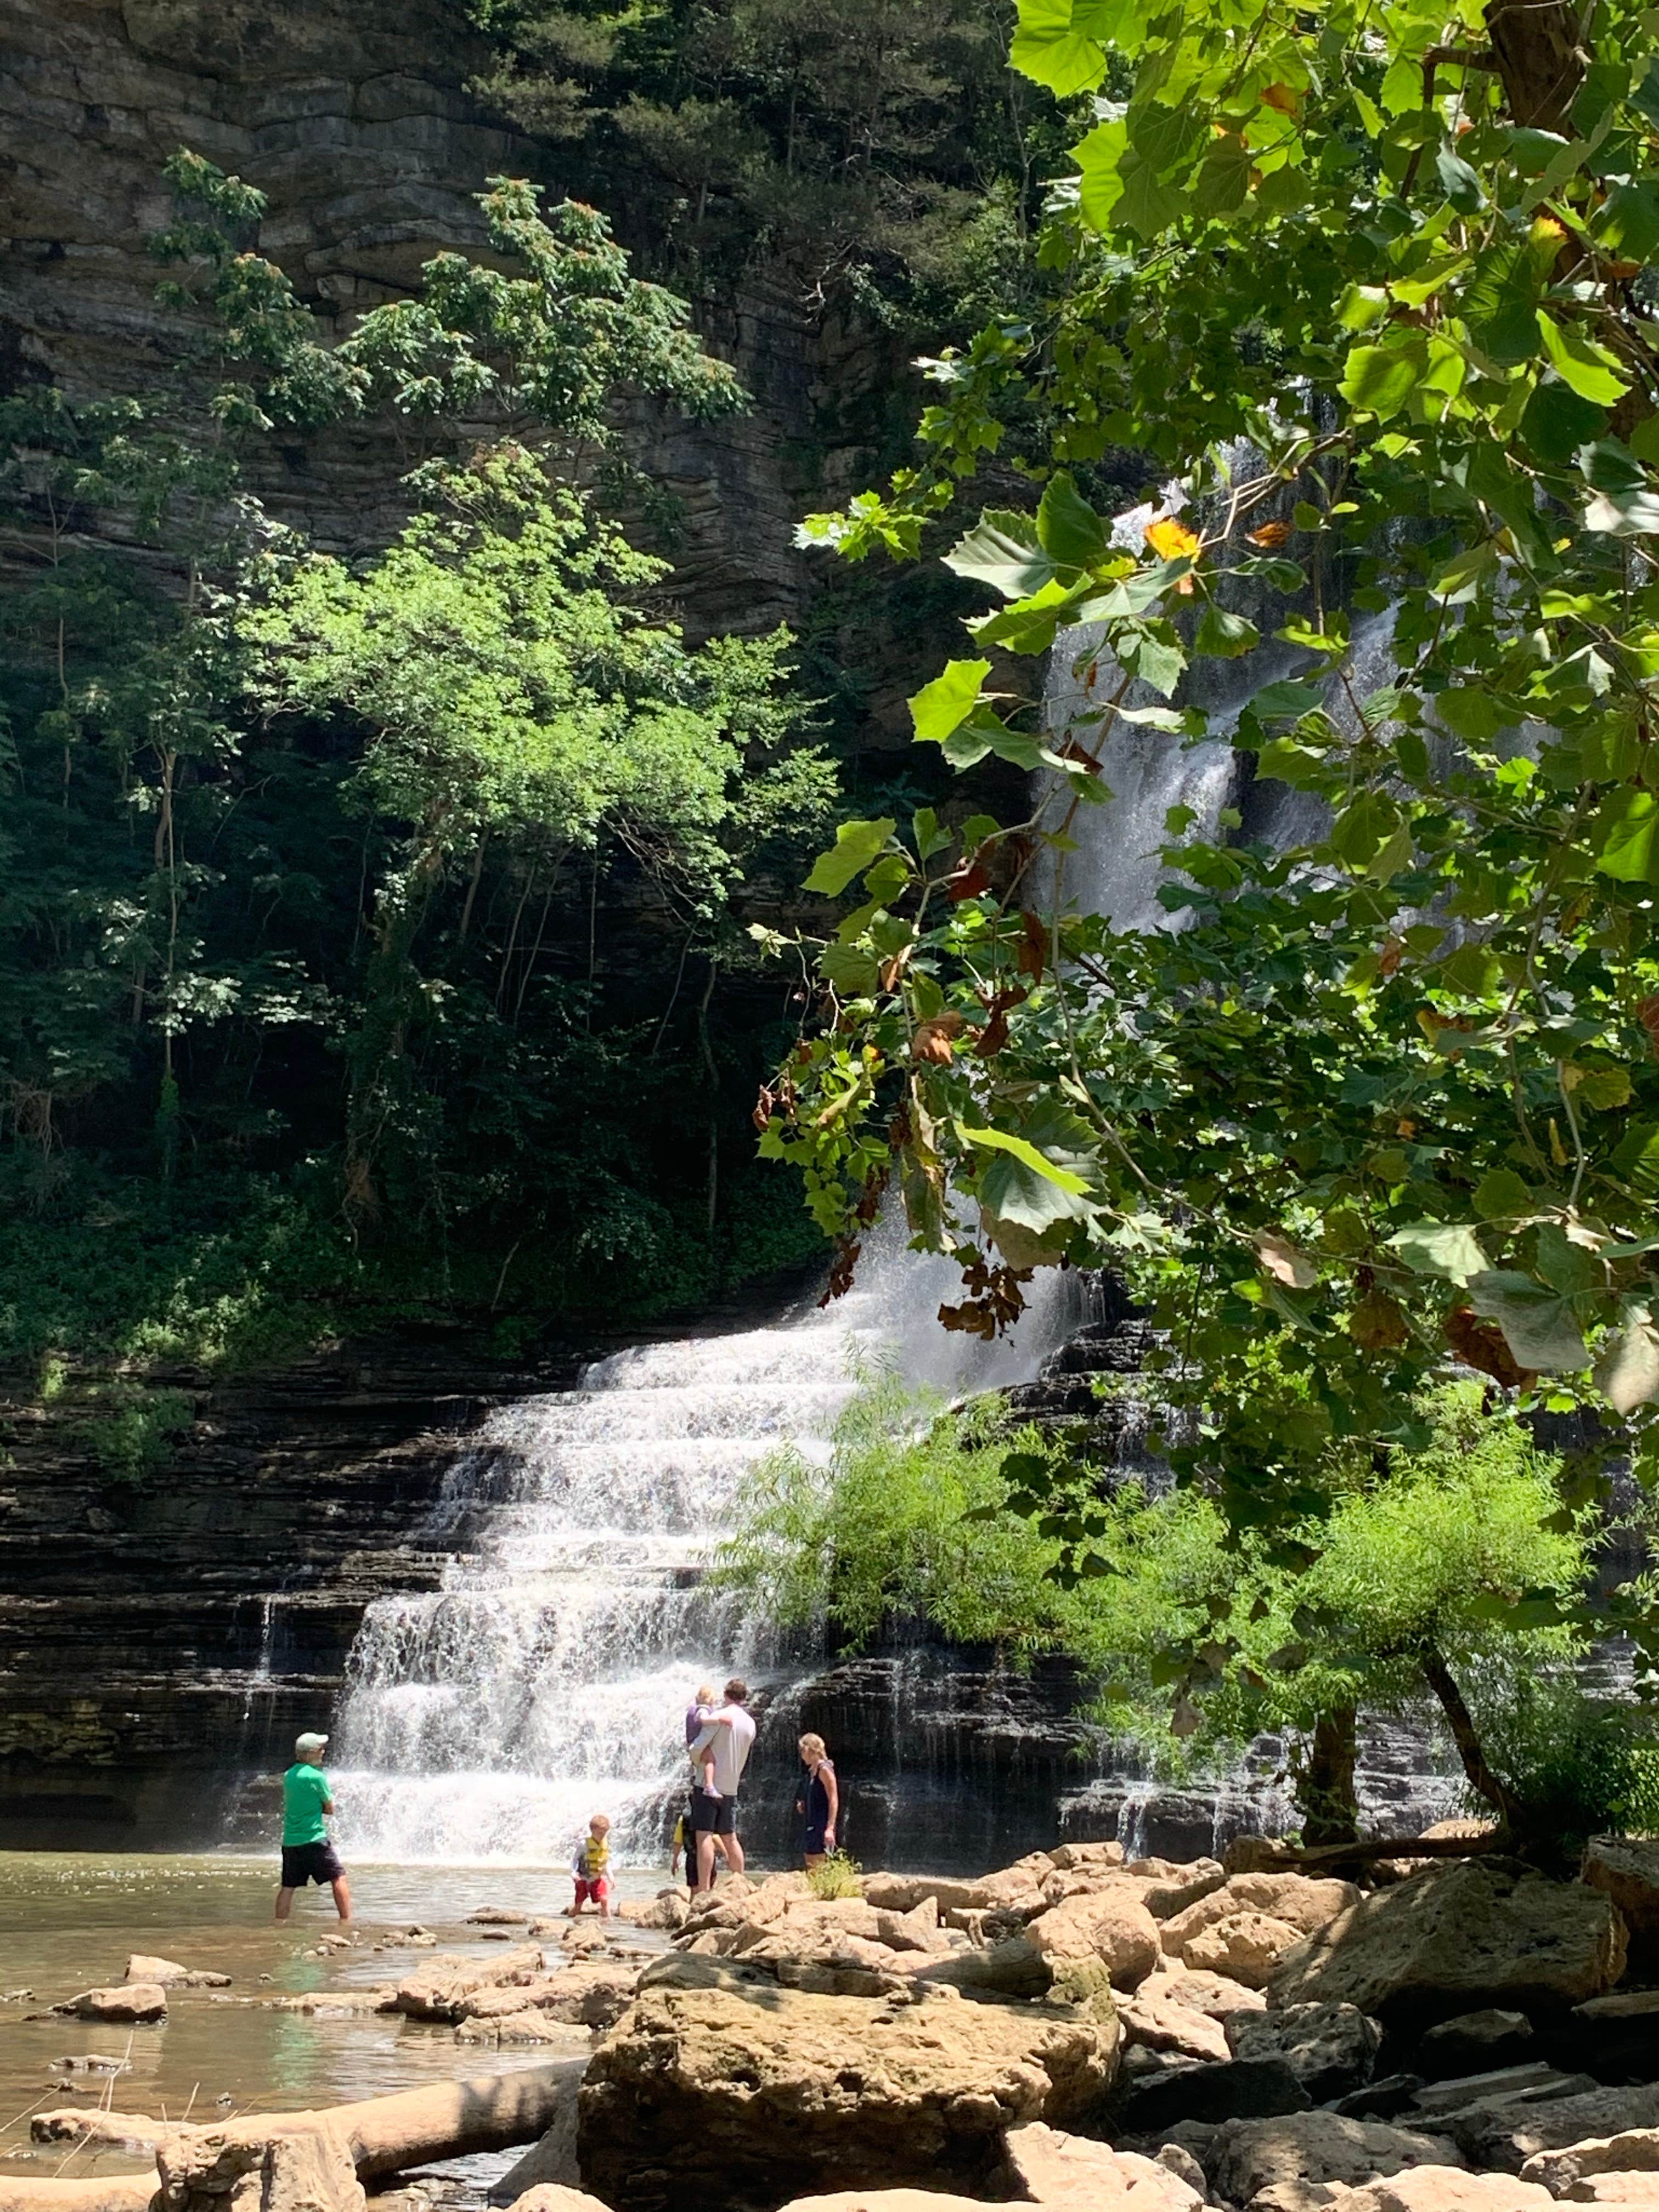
column 819, row 1802
column 308, row 1855
column 729, row 1734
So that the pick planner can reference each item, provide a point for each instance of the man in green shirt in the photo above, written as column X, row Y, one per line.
column 308, row 1853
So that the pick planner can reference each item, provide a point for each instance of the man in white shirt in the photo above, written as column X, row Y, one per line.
column 729, row 1735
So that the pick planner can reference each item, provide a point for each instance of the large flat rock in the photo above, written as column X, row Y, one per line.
column 747, row 2100
column 1454, row 1936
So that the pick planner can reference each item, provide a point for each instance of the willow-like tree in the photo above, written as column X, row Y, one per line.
column 1372, row 286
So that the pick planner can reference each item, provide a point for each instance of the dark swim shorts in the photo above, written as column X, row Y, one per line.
column 815, row 1843
column 714, row 1815
column 304, row 1863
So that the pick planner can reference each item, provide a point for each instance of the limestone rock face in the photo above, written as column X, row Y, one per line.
column 749, row 2100
column 1080, row 2175
column 1248, row 2156
column 1218, row 1995
column 1453, row 1935
column 126, row 2003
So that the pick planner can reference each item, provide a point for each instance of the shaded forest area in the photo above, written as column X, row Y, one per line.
column 364, row 949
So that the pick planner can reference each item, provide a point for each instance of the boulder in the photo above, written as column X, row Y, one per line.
column 1152, row 2022
column 555, row 2197
column 1614, row 2037
column 1292, row 1899
column 1046, row 2166
column 167, row 1974
column 1420, row 1951
column 497, row 1916
column 1246, row 1946
column 1069, row 1857
column 1305, row 1901
column 1533, row 2080
column 443, row 1988
column 126, row 2004
column 1248, row 2156
column 268, row 2165
column 1017, row 1888
column 1330, row 2048
column 1626, row 1870
column 1472, row 2042
column 1506, row 2133
column 1218, row 1995
column 1110, row 1926
column 885, row 2200
column 1635, row 2150
column 749, row 2100
column 1446, row 2188
column 1635, row 2189
column 1249, row 2088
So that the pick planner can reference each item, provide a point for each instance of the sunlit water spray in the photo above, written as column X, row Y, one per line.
column 547, row 1679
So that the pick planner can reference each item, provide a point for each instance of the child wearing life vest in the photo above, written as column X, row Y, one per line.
column 592, row 1867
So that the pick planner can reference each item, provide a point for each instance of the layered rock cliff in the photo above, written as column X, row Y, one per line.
column 356, row 122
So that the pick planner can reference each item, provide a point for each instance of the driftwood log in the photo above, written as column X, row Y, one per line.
column 383, row 2135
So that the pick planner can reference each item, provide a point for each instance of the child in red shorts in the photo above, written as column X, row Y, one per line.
column 592, row 1867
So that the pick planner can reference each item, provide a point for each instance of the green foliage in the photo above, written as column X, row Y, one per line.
column 888, row 1529
column 1583, row 1769
column 399, row 899
column 1386, row 1097
column 875, row 149
column 836, row 1875
column 132, row 1434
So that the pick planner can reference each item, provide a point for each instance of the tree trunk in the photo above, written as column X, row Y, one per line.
column 1536, row 45
column 1467, row 1737
column 1329, row 1808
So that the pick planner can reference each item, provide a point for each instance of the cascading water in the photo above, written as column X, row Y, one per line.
column 547, row 1678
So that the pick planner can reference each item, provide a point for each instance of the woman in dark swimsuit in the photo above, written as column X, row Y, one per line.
column 819, row 1804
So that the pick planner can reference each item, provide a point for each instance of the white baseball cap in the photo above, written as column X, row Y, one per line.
column 307, row 1745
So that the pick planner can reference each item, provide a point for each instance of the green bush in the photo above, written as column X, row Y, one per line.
column 837, row 1875
column 133, row 1438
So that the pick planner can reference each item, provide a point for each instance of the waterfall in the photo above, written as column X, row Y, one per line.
column 547, row 1678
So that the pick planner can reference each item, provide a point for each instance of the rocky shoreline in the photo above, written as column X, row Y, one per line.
column 1460, row 2034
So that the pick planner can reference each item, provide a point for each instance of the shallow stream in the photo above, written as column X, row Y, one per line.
column 68, row 1922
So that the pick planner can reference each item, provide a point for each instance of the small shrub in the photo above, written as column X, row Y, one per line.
column 134, row 1438
column 837, row 1876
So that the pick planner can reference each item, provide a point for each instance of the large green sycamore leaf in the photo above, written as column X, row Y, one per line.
column 1001, row 1140
column 1625, row 832
column 1448, row 1248
column 1001, row 550
column 945, row 704
column 857, row 844
column 1583, row 366
column 1538, row 1324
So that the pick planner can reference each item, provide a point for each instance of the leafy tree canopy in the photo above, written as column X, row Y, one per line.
column 1373, row 285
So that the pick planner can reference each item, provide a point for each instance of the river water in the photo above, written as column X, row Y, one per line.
column 68, row 1921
